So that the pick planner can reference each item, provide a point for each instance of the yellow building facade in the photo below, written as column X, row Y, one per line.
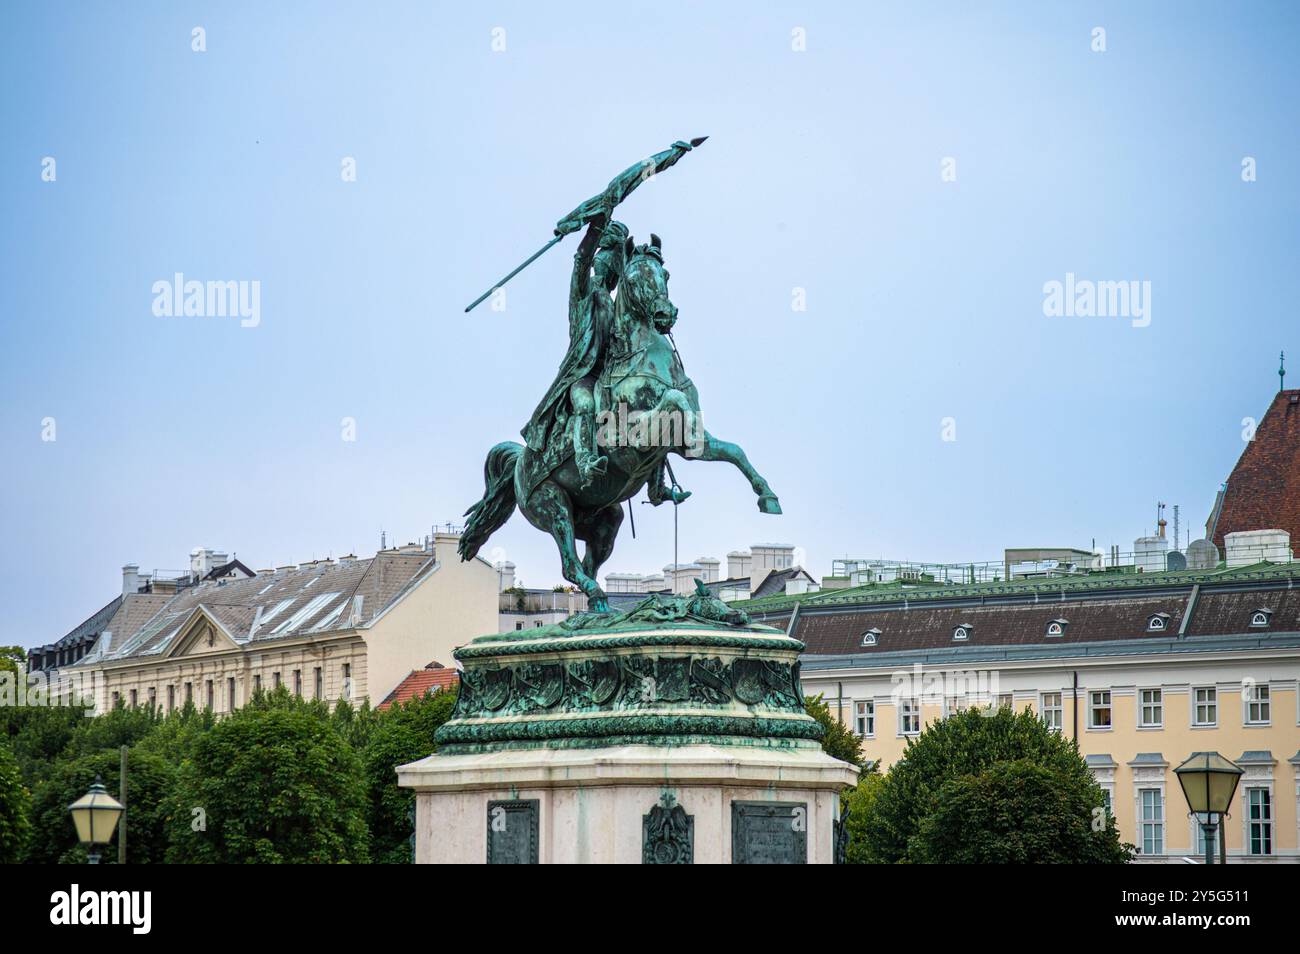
column 1141, row 671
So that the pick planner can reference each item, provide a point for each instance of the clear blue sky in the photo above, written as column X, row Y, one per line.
column 924, row 297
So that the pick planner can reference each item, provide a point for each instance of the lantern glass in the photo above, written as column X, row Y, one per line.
column 95, row 815
column 1209, row 781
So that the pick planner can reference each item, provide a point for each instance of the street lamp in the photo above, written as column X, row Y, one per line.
column 1209, row 781
column 96, row 815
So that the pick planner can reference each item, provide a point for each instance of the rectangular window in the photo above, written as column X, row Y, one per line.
column 519, row 626
column 171, row 698
column 230, row 694
column 117, row 698
column 347, row 681
column 1152, row 709
column 1006, row 700
column 133, row 698
column 1205, row 706
column 275, row 680
column 1099, row 709
column 209, row 695
column 189, row 693
column 153, row 697
column 320, row 684
column 297, row 683
column 865, row 715
column 1260, row 801
column 1258, row 700
column 1051, row 710
column 1153, row 822
column 257, row 683
column 909, row 717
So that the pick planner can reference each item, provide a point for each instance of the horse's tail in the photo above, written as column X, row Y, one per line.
column 488, row 515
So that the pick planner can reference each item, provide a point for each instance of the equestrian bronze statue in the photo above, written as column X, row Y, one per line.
column 620, row 404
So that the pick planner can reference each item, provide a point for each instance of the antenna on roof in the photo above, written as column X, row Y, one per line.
column 1281, row 371
column 383, row 540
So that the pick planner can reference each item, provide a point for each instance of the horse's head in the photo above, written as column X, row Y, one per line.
column 643, row 290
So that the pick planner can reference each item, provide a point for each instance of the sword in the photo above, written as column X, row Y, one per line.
column 625, row 181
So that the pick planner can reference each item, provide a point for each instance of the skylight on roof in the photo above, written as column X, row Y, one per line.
column 276, row 611
column 330, row 618
column 313, row 606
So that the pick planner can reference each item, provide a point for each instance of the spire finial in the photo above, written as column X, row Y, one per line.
column 1281, row 371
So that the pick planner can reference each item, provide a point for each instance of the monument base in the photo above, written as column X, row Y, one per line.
column 674, row 733
column 630, row 804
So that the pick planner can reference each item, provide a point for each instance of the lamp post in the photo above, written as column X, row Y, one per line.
column 96, row 815
column 1209, row 781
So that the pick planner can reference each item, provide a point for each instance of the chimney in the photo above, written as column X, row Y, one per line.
column 505, row 575
column 709, row 568
column 444, row 546
column 130, row 578
column 739, row 563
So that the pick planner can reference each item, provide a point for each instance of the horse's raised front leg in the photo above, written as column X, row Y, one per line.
column 714, row 449
column 550, row 509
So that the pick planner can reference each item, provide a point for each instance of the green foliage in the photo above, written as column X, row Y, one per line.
column 15, row 808
column 838, row 740
column 13, row 659
column 149, row 780
column 860, row 801
column 966, row 743
column 1018, row 813
column 404, row 734
column 38, row 735
column 272, row 783
column 112, row 730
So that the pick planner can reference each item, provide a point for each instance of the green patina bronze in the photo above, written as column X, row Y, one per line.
column 620, row 404
column 671, row 671
column 667, row 834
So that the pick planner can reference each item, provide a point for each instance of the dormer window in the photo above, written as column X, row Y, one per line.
column 871, row 637
column 962, row 632
column 1259, row 619
column 1157, row 622
column 1057, row 627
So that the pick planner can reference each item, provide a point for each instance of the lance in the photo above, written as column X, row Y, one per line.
column 626, row 181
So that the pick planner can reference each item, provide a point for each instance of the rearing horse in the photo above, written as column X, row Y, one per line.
column 648, row 408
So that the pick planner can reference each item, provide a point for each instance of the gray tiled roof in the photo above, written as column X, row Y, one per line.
column 1256, row 757
column 1148, row 758
column 318, row 597
column 1102, row 760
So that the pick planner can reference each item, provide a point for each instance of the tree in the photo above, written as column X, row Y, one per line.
column 38, row 735
column 402, row 734
column 270, row 784
column 1018, row 813
column 838, row 741
column 860, row 800
column 112, row 730
column 13, row 659
column 149, row 784
column 966, row 743
column 15, row 807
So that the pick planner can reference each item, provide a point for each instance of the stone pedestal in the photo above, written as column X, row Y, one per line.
column 594, row 805
column 672, row 734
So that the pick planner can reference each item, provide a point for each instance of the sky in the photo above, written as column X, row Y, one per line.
column 859, row 254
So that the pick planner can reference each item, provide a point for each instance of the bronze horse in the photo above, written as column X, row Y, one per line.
column 649, row 409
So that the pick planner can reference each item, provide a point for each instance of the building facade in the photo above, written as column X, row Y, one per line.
column 349, row 629
column 1141, row 669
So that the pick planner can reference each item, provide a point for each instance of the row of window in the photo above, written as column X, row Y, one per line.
column 1156, row 623
column 1259, row 822
column 209, row 698
column 1256, row 709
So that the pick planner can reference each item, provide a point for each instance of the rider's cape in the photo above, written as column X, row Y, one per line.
column 591, row 321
